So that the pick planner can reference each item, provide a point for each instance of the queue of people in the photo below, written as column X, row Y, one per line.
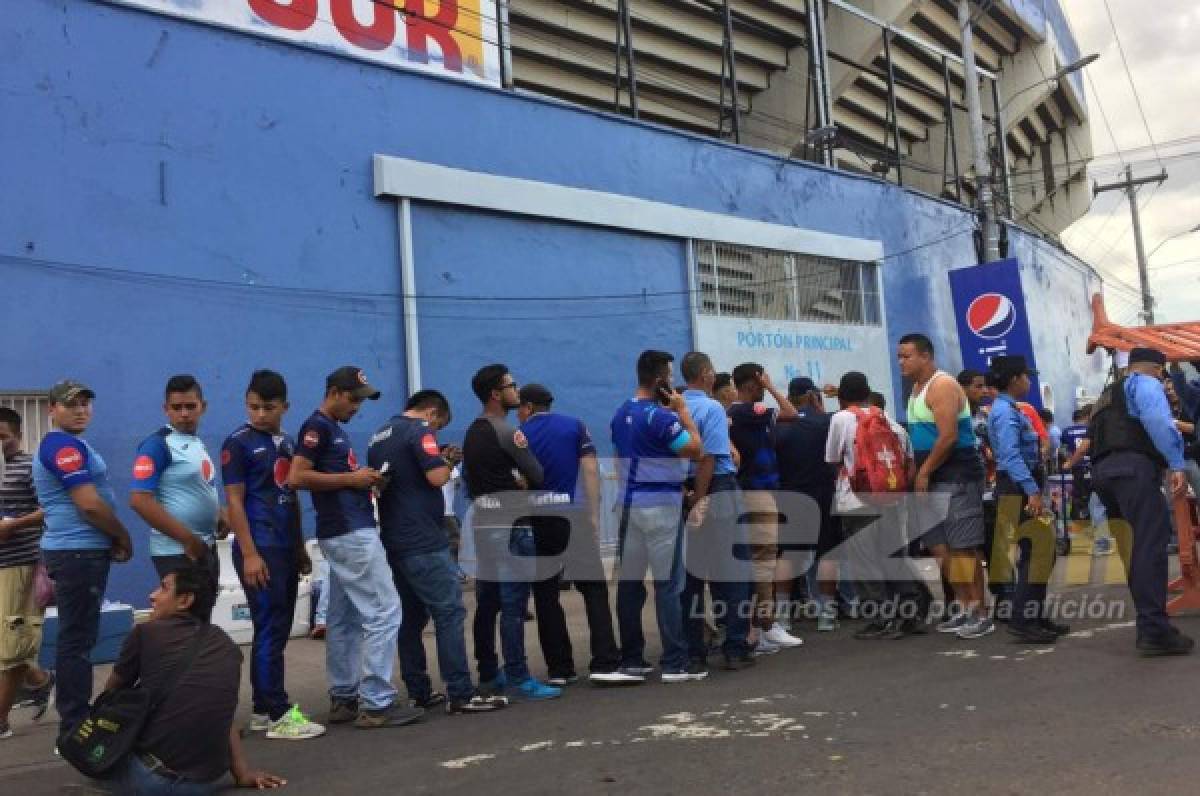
column 738, row 509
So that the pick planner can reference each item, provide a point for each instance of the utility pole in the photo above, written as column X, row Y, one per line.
column 983, row 172
column 1129, row 186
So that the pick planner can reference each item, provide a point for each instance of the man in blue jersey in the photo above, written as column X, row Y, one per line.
column 174, row 486
column 268, row 548
column 752, row 431
column 713, row 529
column 411, row 513
column 651, row 432
column 364, row 609
column 82, row 537
column 564, row 448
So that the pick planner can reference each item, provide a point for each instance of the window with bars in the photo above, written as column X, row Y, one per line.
column 35, row 422
column 765, row 284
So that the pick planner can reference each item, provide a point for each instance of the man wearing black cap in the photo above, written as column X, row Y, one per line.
column 800, row 449
column 363, row 618
column 1134, row 439
column 1015, row 445
column 564, row 448
column 83, row 536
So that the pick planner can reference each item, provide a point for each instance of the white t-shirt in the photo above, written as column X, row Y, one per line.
column 839, row 449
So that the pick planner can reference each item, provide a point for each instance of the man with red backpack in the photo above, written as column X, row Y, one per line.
column 875, row 464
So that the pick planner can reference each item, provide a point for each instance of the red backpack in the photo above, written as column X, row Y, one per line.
column 879, row 475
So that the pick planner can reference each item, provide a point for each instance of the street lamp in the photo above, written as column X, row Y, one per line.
column 1170, row 238
column 1074, row 66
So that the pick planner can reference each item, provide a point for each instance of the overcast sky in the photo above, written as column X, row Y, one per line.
column 1159, row 37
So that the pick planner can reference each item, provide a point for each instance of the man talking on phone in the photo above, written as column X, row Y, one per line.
column 650, row 433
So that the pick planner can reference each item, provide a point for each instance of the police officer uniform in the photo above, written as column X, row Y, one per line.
column 1134, row 440
column 1017, row 451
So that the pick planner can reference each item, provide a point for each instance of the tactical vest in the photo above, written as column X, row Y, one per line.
column 1112, row 429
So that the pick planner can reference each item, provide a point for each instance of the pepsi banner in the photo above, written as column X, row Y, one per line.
column 989, row 307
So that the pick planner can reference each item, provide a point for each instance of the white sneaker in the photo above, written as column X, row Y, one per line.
column 259, row 722
column 294, row 726
column 765, row 646
column 953, row 624
column 617, row 678
column 779, row 635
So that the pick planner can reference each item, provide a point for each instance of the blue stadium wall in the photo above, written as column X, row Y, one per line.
column 175, row 197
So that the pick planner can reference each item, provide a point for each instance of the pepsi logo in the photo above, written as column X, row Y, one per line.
column 429, row 444
column 283, row 468
column 143, row 467
column 991, row 316
column 68, row 460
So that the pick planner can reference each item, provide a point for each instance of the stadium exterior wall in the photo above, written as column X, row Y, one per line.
column 177, row 198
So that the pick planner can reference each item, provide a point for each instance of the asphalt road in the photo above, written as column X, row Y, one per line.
column 930, row 714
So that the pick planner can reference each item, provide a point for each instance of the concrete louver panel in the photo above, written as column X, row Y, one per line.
column 576, row 55
column 923, row 106
column 939, row 20
column 873, row 106
column 683, row 21
column 1034, row 123
column 771, row 19
column 860, row 121
column 550, row 79
column 1019, row 142
column 917, row 70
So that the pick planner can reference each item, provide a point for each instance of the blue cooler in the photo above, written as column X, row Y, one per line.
column 116, row 620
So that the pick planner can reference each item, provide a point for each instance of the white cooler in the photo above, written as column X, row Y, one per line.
column 232, row 613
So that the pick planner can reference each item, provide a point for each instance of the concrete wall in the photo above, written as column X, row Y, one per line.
column 178, row 198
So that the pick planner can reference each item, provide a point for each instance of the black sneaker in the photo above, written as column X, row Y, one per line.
column 342, row 711
column 875, row 630
column 1173, row 643
column 432, row 700
column 391, row 716
column 1032, row 634
column 1057, row 628
column 37, row 698
column 698, row 668
column 735, row 663
column 476, row 704
column 562, row 680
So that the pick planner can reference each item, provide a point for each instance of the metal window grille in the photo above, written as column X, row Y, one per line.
column 764, row 284
column 33, row 409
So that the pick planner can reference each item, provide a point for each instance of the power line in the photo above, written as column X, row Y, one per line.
column 1129, row 74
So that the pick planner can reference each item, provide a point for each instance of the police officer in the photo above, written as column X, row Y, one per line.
column 1133, row 440
column 1016, row 447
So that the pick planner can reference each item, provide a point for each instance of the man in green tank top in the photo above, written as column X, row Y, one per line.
column 948, row 461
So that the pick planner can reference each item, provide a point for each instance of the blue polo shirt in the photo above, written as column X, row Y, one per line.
column 63, row 463
column 713, row 425
column 558, row 442
column 1014, row 443
column 647, row 435
column 411, row 510
column 325, row 443
column 261, row 463
column 177, row 469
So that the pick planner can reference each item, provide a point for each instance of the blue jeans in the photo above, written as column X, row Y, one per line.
column 80, row 578
column 363, row 620
column 711, row 559
column 272, row 610
column 507, row 596
column 134, row 776
column 651, row 537
column 428, row 587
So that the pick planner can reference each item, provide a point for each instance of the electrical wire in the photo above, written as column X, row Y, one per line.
column 1129, row 74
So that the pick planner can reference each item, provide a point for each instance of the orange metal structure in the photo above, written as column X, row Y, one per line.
column 1180, row 342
